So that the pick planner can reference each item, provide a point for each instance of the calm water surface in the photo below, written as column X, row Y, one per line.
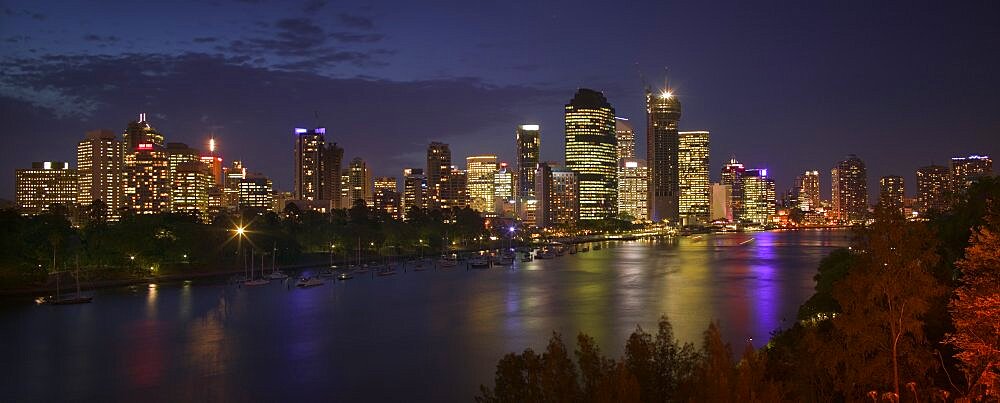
column 417, row 336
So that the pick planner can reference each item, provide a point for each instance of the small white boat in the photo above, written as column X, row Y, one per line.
column 479, row 262
column 257, row 281
column 277, row 275
column 447, row 263
column 306, row 282
column 545, row 255
column 386, row 271
column 345, row 276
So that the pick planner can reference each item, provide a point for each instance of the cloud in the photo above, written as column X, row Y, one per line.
column 255, row 107
column 313, row 6
column 354, row 37
column 356, row 21
column 204, row 39
column 99, row 38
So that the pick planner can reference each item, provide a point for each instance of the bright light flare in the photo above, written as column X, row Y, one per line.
column 666, row 94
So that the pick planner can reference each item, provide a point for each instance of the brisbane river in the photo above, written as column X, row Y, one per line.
column 423, row 336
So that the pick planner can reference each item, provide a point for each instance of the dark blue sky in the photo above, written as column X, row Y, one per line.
column 788, row 86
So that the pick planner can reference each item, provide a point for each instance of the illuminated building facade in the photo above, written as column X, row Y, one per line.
column 231, row 186
column 189, row 185
column 256, row 193
column 758, row 198
column 100, row 162
column 625, row 138
column 633, row 189
column 732, row 176
column 333, row 157
column 503, row 191
column 44, row 185
column 891, row 193
column 438, row 170
column 453, row 192
column 361, row 183
column 386, row 195
column 663, row 112
column 591, row 153
column 528, row 146
column 557, row 192
column 850, row 190
column 933, row 188
column 414, row 190
column 807, row 189
column 214, row 164
column 966, row 170
column 481, row 171
column 140, row 132
column 721, row 208
column 311, row 172
column 692, row 177
column 147, row 180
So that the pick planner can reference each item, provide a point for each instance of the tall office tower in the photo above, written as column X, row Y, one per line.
column 177, row 154
column 100, row 160
column 189, row 185
column 310, row 147
column 692, row 177
column 933, row 189
column 140, row 132
column 758, row 198
column 256, row 192
column 414, row 190
column 556, row 190
column 850, row 190
column 44, row 185
column 720, row 198
column 663, row 112
column 438, row 169
column 625, row 138
column 453, row 189
column 891, row 193
column 966, row 170
column 481, row 170
column 591, row 153
column 807, row 189
column 345, row 188
column 633, row 188
column 528, row 146
column 361, row 182
column 231, row 185
column 147, row 180
column 214, row 164
column 732, row 175
column 503, row 191
column 333, row 157
column 386, row 195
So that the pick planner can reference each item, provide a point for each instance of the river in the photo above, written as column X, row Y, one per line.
column 432, row 335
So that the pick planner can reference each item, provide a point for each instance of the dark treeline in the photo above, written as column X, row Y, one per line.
column 910, row 312
column 33, row 247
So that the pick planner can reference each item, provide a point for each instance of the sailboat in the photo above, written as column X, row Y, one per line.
column 257, row 281
column 276, row 274
column 75, row 299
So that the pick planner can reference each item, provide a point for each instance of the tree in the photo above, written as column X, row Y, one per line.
column 975, row 309
column 878, row 338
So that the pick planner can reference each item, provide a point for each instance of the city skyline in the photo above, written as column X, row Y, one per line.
column 790, row 84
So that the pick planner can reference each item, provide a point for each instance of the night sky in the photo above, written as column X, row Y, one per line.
column 786, row 86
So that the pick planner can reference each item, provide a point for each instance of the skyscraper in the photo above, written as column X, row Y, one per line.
column 189, row 185
column 732, row 175
column 850, row 190
column 663, row 112
column 758, row 198
column 333, row 157
column 100, row 160
column 692, row 177
column 414, row 190
column 140, row 132
column 453, row 189
column 44, row 185
column 807, row 186
column 591, row 153
column 255, row 192
column 503, row 190
column 556, row 190
column 361, row 182
column 625, row 137
column 386, row 195
column 310, row 146
column 147, row 180
column 933, row 188
column 438, row 169
column 633, row 188
column 720, row 200
column 891, row 193
column 966, row 170
column 528, row 145
column 481, row 170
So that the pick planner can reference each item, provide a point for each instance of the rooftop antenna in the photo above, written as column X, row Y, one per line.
column 666, row 78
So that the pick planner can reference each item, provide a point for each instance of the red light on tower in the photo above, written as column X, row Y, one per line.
column 145, row 146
